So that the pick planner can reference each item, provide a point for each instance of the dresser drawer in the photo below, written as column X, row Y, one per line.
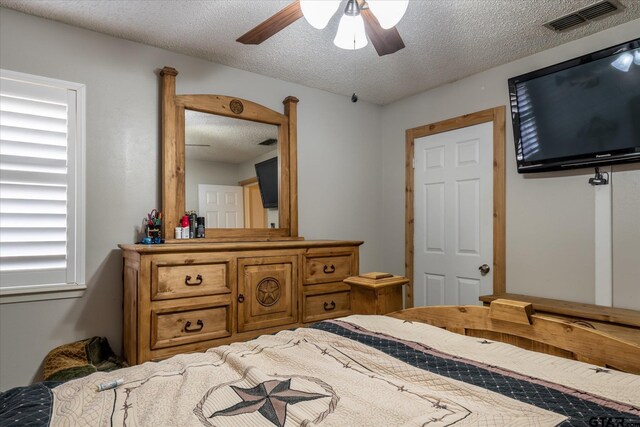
column 184, row 325
column 329, row 268
column 171, row 279
column 326, row 306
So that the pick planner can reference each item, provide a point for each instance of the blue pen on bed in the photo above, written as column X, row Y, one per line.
column 111, row 384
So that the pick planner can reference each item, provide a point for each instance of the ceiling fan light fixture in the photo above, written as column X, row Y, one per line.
column 388, row 12
column 351, row 35
column 319, row 12
column 623, row 62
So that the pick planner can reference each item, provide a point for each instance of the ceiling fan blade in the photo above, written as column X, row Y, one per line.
column 385, row 41
column 281, row 20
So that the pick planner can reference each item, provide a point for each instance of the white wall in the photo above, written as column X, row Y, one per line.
column 550, row 216
column 626, row 235
column 123, row 168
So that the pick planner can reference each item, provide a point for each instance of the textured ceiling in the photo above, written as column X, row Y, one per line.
column 227, row 139
column 446, row 39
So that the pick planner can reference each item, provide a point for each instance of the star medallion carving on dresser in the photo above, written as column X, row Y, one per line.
column 268, row 291
column 269, row 398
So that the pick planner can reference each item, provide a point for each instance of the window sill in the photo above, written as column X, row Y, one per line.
column 41, row 292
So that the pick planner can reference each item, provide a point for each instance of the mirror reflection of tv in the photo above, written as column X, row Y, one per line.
column 584, row 112
column 267, row 174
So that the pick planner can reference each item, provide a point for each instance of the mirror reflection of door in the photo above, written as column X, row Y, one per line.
column 221, row 205
column 223, row 151
column 255, row 215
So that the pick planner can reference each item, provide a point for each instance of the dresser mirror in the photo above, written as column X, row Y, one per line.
column 231, row 171
column 232, row 161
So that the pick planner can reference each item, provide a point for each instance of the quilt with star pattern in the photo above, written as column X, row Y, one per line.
column 355, row 371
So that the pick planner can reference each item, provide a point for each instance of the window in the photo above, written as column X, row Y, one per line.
column 41, row 188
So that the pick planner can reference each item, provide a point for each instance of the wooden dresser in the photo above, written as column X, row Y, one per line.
column 192, row 296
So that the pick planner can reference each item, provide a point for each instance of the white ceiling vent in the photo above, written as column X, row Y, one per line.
column 583, row 16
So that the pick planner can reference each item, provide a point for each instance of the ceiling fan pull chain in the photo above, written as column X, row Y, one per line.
column 354, row 97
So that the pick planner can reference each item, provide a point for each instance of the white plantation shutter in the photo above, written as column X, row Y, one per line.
column 41, row 210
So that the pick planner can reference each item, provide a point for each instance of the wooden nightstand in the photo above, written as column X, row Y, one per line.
column 376, row 293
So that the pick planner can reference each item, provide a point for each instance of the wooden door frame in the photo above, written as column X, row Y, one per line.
column 497, row 116
column 246, row 183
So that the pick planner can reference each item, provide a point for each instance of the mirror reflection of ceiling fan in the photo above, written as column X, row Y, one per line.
column 373, row 18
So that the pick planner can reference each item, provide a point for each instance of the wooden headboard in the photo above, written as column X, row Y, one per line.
column 515, row 322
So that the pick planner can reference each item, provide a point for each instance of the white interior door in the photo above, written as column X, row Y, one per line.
column 221, row 205
column 453, row 212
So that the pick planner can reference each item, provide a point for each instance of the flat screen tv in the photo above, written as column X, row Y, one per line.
column 580, row 113
column 267, row 173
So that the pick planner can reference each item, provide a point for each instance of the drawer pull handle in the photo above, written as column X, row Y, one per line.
column 329, row 270
column 240, row 298
column 329, row 307
column 187, row 281
column 187, row 326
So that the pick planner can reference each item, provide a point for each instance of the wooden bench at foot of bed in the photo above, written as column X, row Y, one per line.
column 516, row 322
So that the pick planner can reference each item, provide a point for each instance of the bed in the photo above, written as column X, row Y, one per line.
column 401, row 369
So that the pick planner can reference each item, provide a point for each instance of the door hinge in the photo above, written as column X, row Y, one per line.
column 413, row 161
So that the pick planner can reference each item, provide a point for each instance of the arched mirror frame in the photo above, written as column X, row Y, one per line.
column 173, row 159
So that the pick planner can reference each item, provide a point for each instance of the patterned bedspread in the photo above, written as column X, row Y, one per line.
column 356, row 371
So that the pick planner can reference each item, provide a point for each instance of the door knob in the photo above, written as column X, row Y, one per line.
column 484, row 269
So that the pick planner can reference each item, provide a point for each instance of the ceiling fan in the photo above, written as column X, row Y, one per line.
column 376, row 18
